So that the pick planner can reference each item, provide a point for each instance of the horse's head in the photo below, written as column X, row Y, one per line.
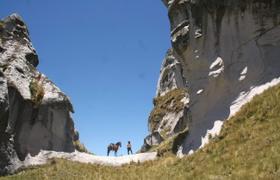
column 119, row 144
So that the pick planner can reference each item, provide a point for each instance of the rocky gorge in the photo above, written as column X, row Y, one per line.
column 222, row 51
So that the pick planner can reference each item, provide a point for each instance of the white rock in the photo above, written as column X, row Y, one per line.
column 185, row 100
column 243, row 74
column 218, row 67
column 212, row 132
column 170, row 75
column 242, row 99
column 245, row 97
column 217, row 63
column 199, row 91
column 217, row 72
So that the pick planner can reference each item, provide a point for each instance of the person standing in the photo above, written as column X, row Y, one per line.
column 129, row 148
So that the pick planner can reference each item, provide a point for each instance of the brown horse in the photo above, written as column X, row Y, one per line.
column 113, row 147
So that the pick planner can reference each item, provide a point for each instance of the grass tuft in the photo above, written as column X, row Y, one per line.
column 37, row 91
column 80, row 147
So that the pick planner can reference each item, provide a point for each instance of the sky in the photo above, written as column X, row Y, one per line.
column 106, row 56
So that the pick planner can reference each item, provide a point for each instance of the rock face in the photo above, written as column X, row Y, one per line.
column 170, row 114
column 34, row 114
column 225, row 47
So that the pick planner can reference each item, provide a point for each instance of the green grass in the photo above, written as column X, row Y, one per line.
column 247, row 148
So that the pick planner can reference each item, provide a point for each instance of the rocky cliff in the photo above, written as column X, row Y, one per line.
column 171, row 104
column 34, row 113
column 225, row 48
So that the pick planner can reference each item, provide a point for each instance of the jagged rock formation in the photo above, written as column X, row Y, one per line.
column 170, row 114
column 226, row 48
column 34, row 114
column 171, row 75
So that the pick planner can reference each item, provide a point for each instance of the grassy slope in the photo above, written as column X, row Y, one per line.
column 248, row 148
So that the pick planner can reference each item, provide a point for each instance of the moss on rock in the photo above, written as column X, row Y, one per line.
column 80, row 147
column 37, row 91
column 170, row 102
column 77, row 144
column 170, row 145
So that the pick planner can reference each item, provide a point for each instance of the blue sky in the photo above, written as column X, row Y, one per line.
column 105, row 55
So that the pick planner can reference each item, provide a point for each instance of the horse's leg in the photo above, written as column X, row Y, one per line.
column 115, row 153
column 108, row 151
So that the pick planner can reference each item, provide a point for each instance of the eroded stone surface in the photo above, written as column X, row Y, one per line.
column 171, row 103
column 226, row 47
column 34, row 113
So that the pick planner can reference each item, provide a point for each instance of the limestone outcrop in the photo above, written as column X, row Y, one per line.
column 226, row 48
column 34, row 113
column 171, row 104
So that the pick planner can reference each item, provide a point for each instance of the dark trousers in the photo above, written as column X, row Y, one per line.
column 129, row 150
